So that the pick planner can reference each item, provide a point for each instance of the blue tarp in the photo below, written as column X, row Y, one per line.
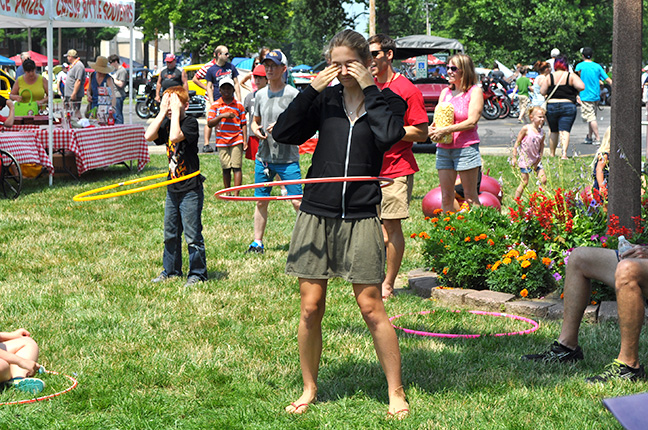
column 4, row 61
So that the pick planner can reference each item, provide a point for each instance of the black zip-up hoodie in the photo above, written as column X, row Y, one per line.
column 343, row 149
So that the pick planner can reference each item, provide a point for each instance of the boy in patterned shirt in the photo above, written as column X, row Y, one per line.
column 228, row 115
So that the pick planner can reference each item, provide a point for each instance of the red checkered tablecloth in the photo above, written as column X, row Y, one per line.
column 23, row 146
column 96, row 147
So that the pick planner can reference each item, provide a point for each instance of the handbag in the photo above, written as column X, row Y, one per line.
column 29, row 108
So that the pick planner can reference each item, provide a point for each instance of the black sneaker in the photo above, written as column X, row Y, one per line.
column 207, row 149
column 557, row 353
column 618, row 370
column 255, row 249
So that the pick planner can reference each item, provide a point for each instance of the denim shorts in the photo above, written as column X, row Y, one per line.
column 458, row 159
column 265, row 172
column 531, row 169
column 561, row 116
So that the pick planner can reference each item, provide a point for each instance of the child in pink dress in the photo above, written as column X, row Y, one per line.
column 530, row 140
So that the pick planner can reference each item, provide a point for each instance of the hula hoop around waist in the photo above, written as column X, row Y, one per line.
column 220, row 193
column 89, row 195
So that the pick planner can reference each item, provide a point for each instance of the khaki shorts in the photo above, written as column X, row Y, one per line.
column 588, row 111
column 231, row 157
column 396, row 198
column 324, row 248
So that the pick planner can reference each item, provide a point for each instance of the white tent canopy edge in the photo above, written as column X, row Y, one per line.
column 67, row 14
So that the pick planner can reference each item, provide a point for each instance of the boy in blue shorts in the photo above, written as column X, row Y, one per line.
column 273, row 158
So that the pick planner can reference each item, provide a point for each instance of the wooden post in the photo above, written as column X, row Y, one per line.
column 625, row 152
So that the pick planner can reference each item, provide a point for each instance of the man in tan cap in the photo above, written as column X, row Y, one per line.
column 74, row 83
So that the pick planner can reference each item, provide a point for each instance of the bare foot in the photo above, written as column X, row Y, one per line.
column 302, row 404
column 398, row 406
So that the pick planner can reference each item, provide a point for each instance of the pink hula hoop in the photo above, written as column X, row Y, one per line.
column 534, row 327
column 49, row 396
column 220, row 193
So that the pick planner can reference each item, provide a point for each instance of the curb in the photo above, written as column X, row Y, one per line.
column 423, row 283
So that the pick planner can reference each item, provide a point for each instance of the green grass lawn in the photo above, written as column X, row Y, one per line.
column 224, row 355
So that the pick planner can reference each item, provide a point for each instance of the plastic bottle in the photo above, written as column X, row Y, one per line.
column 624, row 245
column 111, row 116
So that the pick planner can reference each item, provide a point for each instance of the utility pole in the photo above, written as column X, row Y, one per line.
column 372, row 17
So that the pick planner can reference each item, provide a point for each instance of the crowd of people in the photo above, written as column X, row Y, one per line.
column 366, row 116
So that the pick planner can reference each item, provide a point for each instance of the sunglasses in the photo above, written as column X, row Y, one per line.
column 227, row 54
column 375, row 53
column 453, row 68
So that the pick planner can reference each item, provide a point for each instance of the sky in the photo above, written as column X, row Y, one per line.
column 362, row 22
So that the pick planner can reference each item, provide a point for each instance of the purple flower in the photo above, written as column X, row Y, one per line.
column 557, row 276
column 594, row 237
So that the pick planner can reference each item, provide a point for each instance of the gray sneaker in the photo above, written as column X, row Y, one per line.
column 588, row 140
column 193, row 280
column 558, row 353
column 162, row 277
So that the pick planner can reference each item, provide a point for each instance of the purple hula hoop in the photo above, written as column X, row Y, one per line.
column 534, row 324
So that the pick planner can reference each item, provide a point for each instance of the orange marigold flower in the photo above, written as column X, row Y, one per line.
column 546, row 261
column 467, row 239
column 488, row 266
column 413, row 235
column 427, row 218
column 445, row 270
column 524, row 293
column 562, row 295
column 483, row 236
column 496, row 265
column 447, row 227
column 477, row 238
column 513, row 253
column 525, row 264
column 435, row 219
column 523, row 276
column 604, row 245
column 490, row 242
column 437, row 211
column 593, row 302
column 506, row 260
column 460, row 217
column 446, row 219
column 531, row 254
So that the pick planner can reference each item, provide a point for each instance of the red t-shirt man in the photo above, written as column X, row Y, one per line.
column 399, row 160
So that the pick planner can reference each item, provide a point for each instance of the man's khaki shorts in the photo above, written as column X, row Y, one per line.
column 231, row 157
column 396, row 198
column 588, row 111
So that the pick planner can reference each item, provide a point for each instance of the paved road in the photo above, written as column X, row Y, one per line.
column 497, row 136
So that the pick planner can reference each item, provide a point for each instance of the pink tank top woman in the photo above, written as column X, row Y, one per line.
column 460, row 103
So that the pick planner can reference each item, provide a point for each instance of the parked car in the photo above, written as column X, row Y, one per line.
column 141, row 76
column 191, row 71
column 430, row 87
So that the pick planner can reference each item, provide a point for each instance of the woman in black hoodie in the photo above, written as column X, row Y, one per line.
column 337, row 232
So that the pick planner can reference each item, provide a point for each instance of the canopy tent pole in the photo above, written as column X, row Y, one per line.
column 50, row 98
column 130, row 74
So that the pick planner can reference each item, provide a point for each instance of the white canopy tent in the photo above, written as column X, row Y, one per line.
column 67, row 14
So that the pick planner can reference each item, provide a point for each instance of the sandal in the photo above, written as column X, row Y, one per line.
column 297, row 408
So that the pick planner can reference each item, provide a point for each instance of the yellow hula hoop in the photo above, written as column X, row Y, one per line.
column 89, row 195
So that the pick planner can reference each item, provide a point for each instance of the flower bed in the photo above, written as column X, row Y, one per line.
column 525, row 251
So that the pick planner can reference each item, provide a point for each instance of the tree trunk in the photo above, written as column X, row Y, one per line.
column 625, row 152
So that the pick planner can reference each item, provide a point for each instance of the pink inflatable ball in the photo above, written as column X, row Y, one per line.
column 488, row 199
column 432, row 201
column 490, row 185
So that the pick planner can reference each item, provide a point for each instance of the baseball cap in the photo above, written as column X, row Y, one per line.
column 587, row 52
column 169, row 58
column 276, row 56
column 555, row 52
column 72, row 53
column 226, row 81
column 259, row 70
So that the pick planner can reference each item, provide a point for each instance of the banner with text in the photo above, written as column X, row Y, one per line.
column 108, row 12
